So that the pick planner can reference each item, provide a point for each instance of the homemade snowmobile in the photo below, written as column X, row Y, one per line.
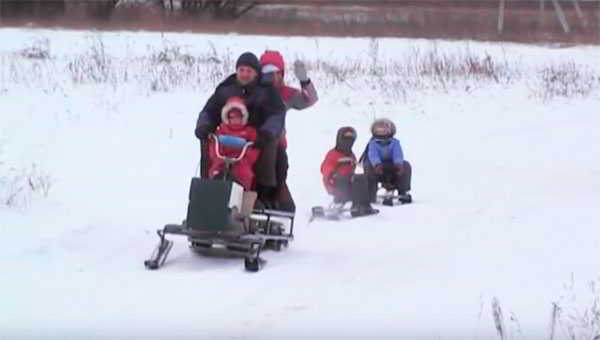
column 221, row 218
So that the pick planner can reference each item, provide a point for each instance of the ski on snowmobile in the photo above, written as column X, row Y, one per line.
column 337, row 211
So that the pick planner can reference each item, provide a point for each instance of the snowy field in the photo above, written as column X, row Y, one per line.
column 97, row 151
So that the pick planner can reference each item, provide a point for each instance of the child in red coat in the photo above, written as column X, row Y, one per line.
column 234, row 117
column 339, row 178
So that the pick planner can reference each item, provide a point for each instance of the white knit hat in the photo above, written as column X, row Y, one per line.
column 234, row 103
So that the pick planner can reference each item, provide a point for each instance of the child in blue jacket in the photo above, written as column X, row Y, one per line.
column 384, row 161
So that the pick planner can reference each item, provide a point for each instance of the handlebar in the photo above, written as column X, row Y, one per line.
column 230, row 141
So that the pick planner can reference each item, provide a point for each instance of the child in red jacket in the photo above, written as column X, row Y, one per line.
column 339, row 178
column 234, row 117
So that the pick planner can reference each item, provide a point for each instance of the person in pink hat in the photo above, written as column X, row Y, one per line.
column 273, row 72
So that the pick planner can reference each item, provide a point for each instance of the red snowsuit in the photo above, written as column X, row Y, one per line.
column 331, row 167
column 242, row 170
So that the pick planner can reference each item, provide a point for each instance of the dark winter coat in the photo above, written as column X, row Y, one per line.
column 267, row 110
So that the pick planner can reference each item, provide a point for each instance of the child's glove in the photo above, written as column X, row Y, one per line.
column 300, row 71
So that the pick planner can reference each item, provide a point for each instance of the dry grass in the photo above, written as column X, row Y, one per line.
column 169, row 67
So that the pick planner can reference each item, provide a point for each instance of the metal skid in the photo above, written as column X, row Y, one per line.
column 265, row 233
column 335, row 211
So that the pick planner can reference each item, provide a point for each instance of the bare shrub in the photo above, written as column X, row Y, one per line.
column 565, row 80
column 171, row 53
column 376, row 69
column 38, row 73
column 171, row 67
column 498, row 318
column 40, row 49
column 19, row 185
column 438, row 70
column 579, row 317
column 94, row 66
column 420, row 70
column 342, row 73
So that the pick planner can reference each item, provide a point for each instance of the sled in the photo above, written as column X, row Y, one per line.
column 390, row 196
column 337, row 211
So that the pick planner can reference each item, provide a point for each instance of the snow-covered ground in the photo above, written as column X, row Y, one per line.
column 506, row 189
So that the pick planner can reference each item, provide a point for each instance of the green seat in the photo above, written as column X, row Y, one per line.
column 212, row 204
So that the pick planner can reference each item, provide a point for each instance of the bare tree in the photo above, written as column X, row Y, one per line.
column 101, row 9
column 221, row 9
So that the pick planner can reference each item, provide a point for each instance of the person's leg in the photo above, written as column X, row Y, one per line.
column 343, row 189
column 281, row 164
column 204, row 159
column 372, row 180
column 266, row 178
column 265, row 165
column 389, row 176
column 283, row 194
column 243, row 174
column 404, row 179
column 285, row 199
column 361, row 200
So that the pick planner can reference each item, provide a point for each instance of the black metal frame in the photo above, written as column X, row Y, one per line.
column 252, row 242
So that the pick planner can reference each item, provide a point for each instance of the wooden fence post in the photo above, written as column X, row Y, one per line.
column 561, row 16
column 580, row 13
column 501, row 16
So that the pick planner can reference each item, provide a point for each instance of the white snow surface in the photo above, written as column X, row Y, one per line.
column 506, row 191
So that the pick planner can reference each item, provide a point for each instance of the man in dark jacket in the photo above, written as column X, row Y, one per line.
column 267, row 115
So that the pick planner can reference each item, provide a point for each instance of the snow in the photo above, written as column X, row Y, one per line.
column 505, row 186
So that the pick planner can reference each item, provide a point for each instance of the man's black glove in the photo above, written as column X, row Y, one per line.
column 263, row 138
column 202, row 131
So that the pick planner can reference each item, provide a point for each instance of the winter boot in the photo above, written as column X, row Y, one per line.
column 404, row 197
column 388, row 202
column 265, row 197
column 358, row 210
